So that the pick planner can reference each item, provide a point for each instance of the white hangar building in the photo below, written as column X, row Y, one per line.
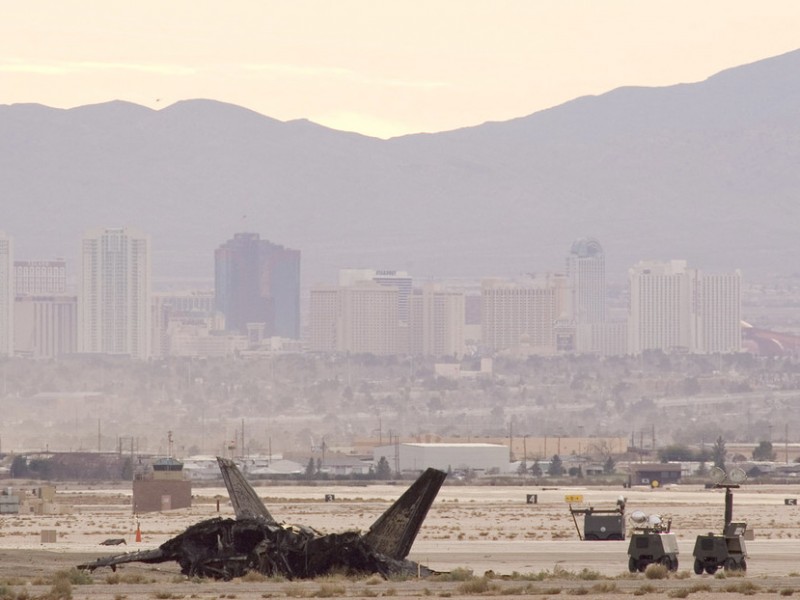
column 483, row 458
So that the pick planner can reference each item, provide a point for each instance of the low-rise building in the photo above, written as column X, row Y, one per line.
column 413, row 458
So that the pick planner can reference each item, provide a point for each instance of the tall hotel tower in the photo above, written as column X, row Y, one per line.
column 586, row 272
column 256, row 281
column 6, row 295
column 114, row 293
column 673, row 307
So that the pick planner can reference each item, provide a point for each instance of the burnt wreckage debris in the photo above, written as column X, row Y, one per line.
column 254, row 541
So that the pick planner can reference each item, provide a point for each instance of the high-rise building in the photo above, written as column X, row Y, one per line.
column 437, row 321
column 114, row 293
column 660, row 312
column 45, row 326
column 323, row 309
column 256, row 281
column 586, row 272
column 718, row 310
column 397, row 279
column 360, row 318
column 40, row 277
column 367, row 319
column 521, row 316
column 675, row 308
column 6, row 295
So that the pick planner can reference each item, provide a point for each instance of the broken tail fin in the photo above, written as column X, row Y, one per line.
column 393, row 533
column 245, row 501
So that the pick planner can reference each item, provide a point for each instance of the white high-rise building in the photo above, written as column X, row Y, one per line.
column 660, row 312
column 114, row 293
column 674, row 308
column 6, row 295
column 718, row 306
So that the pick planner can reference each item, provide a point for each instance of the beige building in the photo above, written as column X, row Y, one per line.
column 45, row 326
column 367, row 319
column 174, row 310
column 520, row 316
column 360, row 318
column 322, row 318
column 437, row 322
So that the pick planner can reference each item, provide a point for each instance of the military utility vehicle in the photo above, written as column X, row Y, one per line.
column 651, row 543
column 601, row 524
column 712, row 551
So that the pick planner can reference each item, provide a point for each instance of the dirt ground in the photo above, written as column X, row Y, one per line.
column 527, row 549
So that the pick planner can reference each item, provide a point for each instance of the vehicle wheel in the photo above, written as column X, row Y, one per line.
column 743, row 565
column 666, row 561
column 711, row 569
column 617, row 537
column 632, row 565
column 730, row 565
column 590, row 537
column 643, row 566
column 674, row 563
column 698, row 567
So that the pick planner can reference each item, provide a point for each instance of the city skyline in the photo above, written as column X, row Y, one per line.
column 375, row 311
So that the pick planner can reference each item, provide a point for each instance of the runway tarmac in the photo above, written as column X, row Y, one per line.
column 766, row 557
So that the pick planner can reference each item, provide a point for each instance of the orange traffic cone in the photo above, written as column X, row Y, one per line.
column 138, row 533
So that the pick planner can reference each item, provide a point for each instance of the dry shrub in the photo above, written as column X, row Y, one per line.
column 458, row 574
column 748, row 588
column 606, row 587
column 74, row 576
column 133, row 578
column 61, row 588
column 644, row 589
column 294, row 591
column 476, row 585
column 329, row 590
column 656, row 571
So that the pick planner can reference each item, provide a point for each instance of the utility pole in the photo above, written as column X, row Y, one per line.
column 786, row 441
column 511, row 440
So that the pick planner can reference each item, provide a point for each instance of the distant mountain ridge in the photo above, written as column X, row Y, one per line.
column 705, row 171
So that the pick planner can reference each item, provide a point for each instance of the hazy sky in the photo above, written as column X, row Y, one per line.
column 378, row 67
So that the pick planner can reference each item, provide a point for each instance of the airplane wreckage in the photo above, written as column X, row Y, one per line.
column 223, row 548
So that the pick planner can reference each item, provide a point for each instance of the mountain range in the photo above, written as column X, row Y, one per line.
column 708, row 172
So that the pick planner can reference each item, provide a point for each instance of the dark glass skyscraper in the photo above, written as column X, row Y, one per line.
column 256, row 281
